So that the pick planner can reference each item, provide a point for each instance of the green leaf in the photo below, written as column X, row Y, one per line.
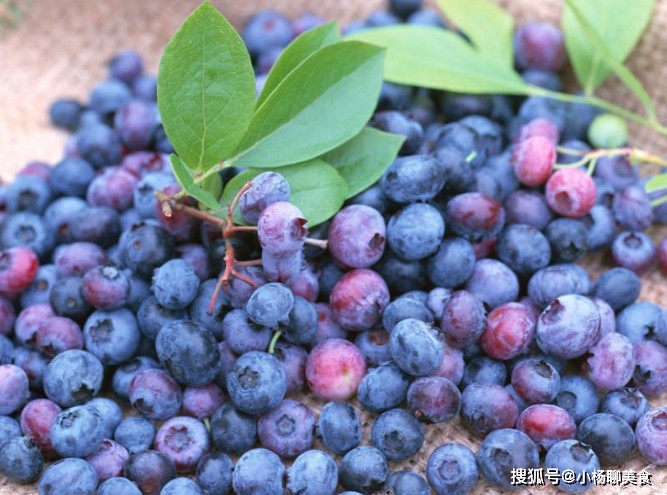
column 439, row 59
column 656, row 183
column 206, row 89
column 184, row 177
column 363, row 159
column 316, row 188
column 322, row 103
column 488, row 26
column 619, row 25
column 296, row 52
column 607, row 56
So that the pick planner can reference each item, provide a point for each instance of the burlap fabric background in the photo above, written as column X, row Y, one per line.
column 59, row 49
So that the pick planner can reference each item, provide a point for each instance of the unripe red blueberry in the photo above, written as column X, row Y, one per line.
column 334, row 369
column 533, row 160
column 358, row 299
column 571, row 192
column 18, row 268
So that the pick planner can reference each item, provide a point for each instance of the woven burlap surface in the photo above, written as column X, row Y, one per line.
column 59, row 48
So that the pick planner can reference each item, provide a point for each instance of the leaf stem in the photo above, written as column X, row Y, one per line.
column 320, row 243
column 169, row 204
column 274, row 340
column 651, row 123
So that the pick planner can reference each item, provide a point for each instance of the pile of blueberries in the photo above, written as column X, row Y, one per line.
column 449, row 289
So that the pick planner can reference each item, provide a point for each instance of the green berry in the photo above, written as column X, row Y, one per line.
column 608, row 131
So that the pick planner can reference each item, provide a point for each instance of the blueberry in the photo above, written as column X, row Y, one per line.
column 214, row 473
column 150, row 470
column 258, row 472
column 257, row 382
column 339, row 427
column 71, row 476
column 397, row 434
column 619, row 287
column 189, row 352
column 265, row 30
column 20, row 459
column 413, row 178
column 313, row 472
column 98, row 224
column 493, row 282
column 650, row 433
column 650, row 374
column 65, row 113
column 627, row 403
column 363, row 469
column 123, row 374
column 383, row 387
column 415, row 347
column 118, row 486
column 175, row 284
column 152, row 316
column 108, row 96
column 611, row 362
column 452, row 469
column 71, row 177
column 232, row 431
column 9, row 428
column 601, row 227
column 485, row 408
column 135, row 433
column 523, row 248
column 463, row 319
column 110, row 413
column 288, row 429
column 73, row 377
column 99, row 145
column 575, row 456
column 109, row 460
column 154, row 393
column 183, row 440
column 14, row 388
column 484, row 370
column 270, row 304
column 399, row 123
column 301, row 326
column 135, row 122
column 553, row 281
column 535, row 380
column 578, row 396
column 568, row 239
column 402, row 308
column 30, row 230
column 452, row 264
column 568, row 327
column 632, row 208
column 267, row 188
column 407, row 482
column 642, row 320
column 145, row 247
column 38, row 292
column 181, row 486
column 112, row 336
column 611, row 438
column 77, row 431
column 28, row 194
column 634, row 251
column 501, row 452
